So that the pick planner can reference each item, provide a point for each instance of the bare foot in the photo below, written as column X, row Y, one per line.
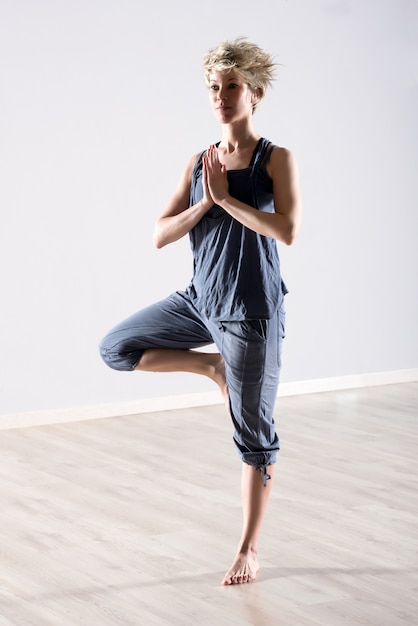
column 219, row 376
column 244, row 569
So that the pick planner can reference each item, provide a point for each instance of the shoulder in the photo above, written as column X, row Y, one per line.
column 190, row 166
column 282, row 161
column 195, row 161
column 281, row 155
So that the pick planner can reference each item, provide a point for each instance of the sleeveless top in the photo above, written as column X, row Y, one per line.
column 236, row 272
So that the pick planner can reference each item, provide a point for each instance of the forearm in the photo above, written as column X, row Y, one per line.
column 276, row 225
column 170, row 228
column 283, row 223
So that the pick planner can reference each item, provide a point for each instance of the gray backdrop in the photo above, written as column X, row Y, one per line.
column 103, row 102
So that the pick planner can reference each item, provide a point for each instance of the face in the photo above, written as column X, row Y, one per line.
column 231, row 97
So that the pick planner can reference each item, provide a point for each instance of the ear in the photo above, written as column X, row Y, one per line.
column 257, row 95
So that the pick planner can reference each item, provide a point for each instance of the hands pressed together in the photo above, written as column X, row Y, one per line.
column 215, row 181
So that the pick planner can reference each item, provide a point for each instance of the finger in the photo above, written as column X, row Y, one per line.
column 213, row 153
column 210, row 154
column 206, row 175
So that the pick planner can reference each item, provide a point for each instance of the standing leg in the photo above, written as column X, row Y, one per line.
column 252, row 354
column 255, row 497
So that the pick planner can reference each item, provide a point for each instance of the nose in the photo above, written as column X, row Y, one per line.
column 221, row 94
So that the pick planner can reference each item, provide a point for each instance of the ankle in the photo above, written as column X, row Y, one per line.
column 248, row 548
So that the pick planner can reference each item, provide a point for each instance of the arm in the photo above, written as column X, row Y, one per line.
column 284, row 223
column 178, row 218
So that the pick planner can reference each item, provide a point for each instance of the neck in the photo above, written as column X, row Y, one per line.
column 236, row 137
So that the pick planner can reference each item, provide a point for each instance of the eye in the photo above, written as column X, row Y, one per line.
column 233, row 86
column 214, row 87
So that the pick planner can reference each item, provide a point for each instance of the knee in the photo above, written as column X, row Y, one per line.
column 106, row 353
column 116, row 357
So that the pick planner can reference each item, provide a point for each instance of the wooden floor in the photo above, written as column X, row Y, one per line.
column 134, row 520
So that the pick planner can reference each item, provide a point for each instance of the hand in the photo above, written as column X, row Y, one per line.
column 207, row 199
column 215, row 181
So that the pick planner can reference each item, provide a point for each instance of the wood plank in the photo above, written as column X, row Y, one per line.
column 134, row 520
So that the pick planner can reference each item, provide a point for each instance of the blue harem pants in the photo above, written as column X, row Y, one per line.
column 251, row 350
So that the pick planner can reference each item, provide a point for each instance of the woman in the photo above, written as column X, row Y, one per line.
column 235, row 200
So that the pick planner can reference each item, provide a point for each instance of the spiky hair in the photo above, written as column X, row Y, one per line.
column 255, row 66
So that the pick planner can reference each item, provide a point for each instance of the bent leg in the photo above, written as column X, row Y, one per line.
column 196, row 362
column 162, row 338
column 172, row 323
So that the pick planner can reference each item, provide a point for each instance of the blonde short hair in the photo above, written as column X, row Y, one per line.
column 255, row 66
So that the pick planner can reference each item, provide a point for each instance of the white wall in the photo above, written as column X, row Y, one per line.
column 103, row 102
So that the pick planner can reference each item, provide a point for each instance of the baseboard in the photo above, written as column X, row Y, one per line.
column 372, row 379
column 152, row 405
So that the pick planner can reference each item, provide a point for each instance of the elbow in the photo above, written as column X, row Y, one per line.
column 291, row 232
column 158, row 238
column 290, row 240
column 290, row 226
column 157, row 242
column 290, row 236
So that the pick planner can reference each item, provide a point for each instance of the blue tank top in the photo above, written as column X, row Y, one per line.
column 236, row 272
